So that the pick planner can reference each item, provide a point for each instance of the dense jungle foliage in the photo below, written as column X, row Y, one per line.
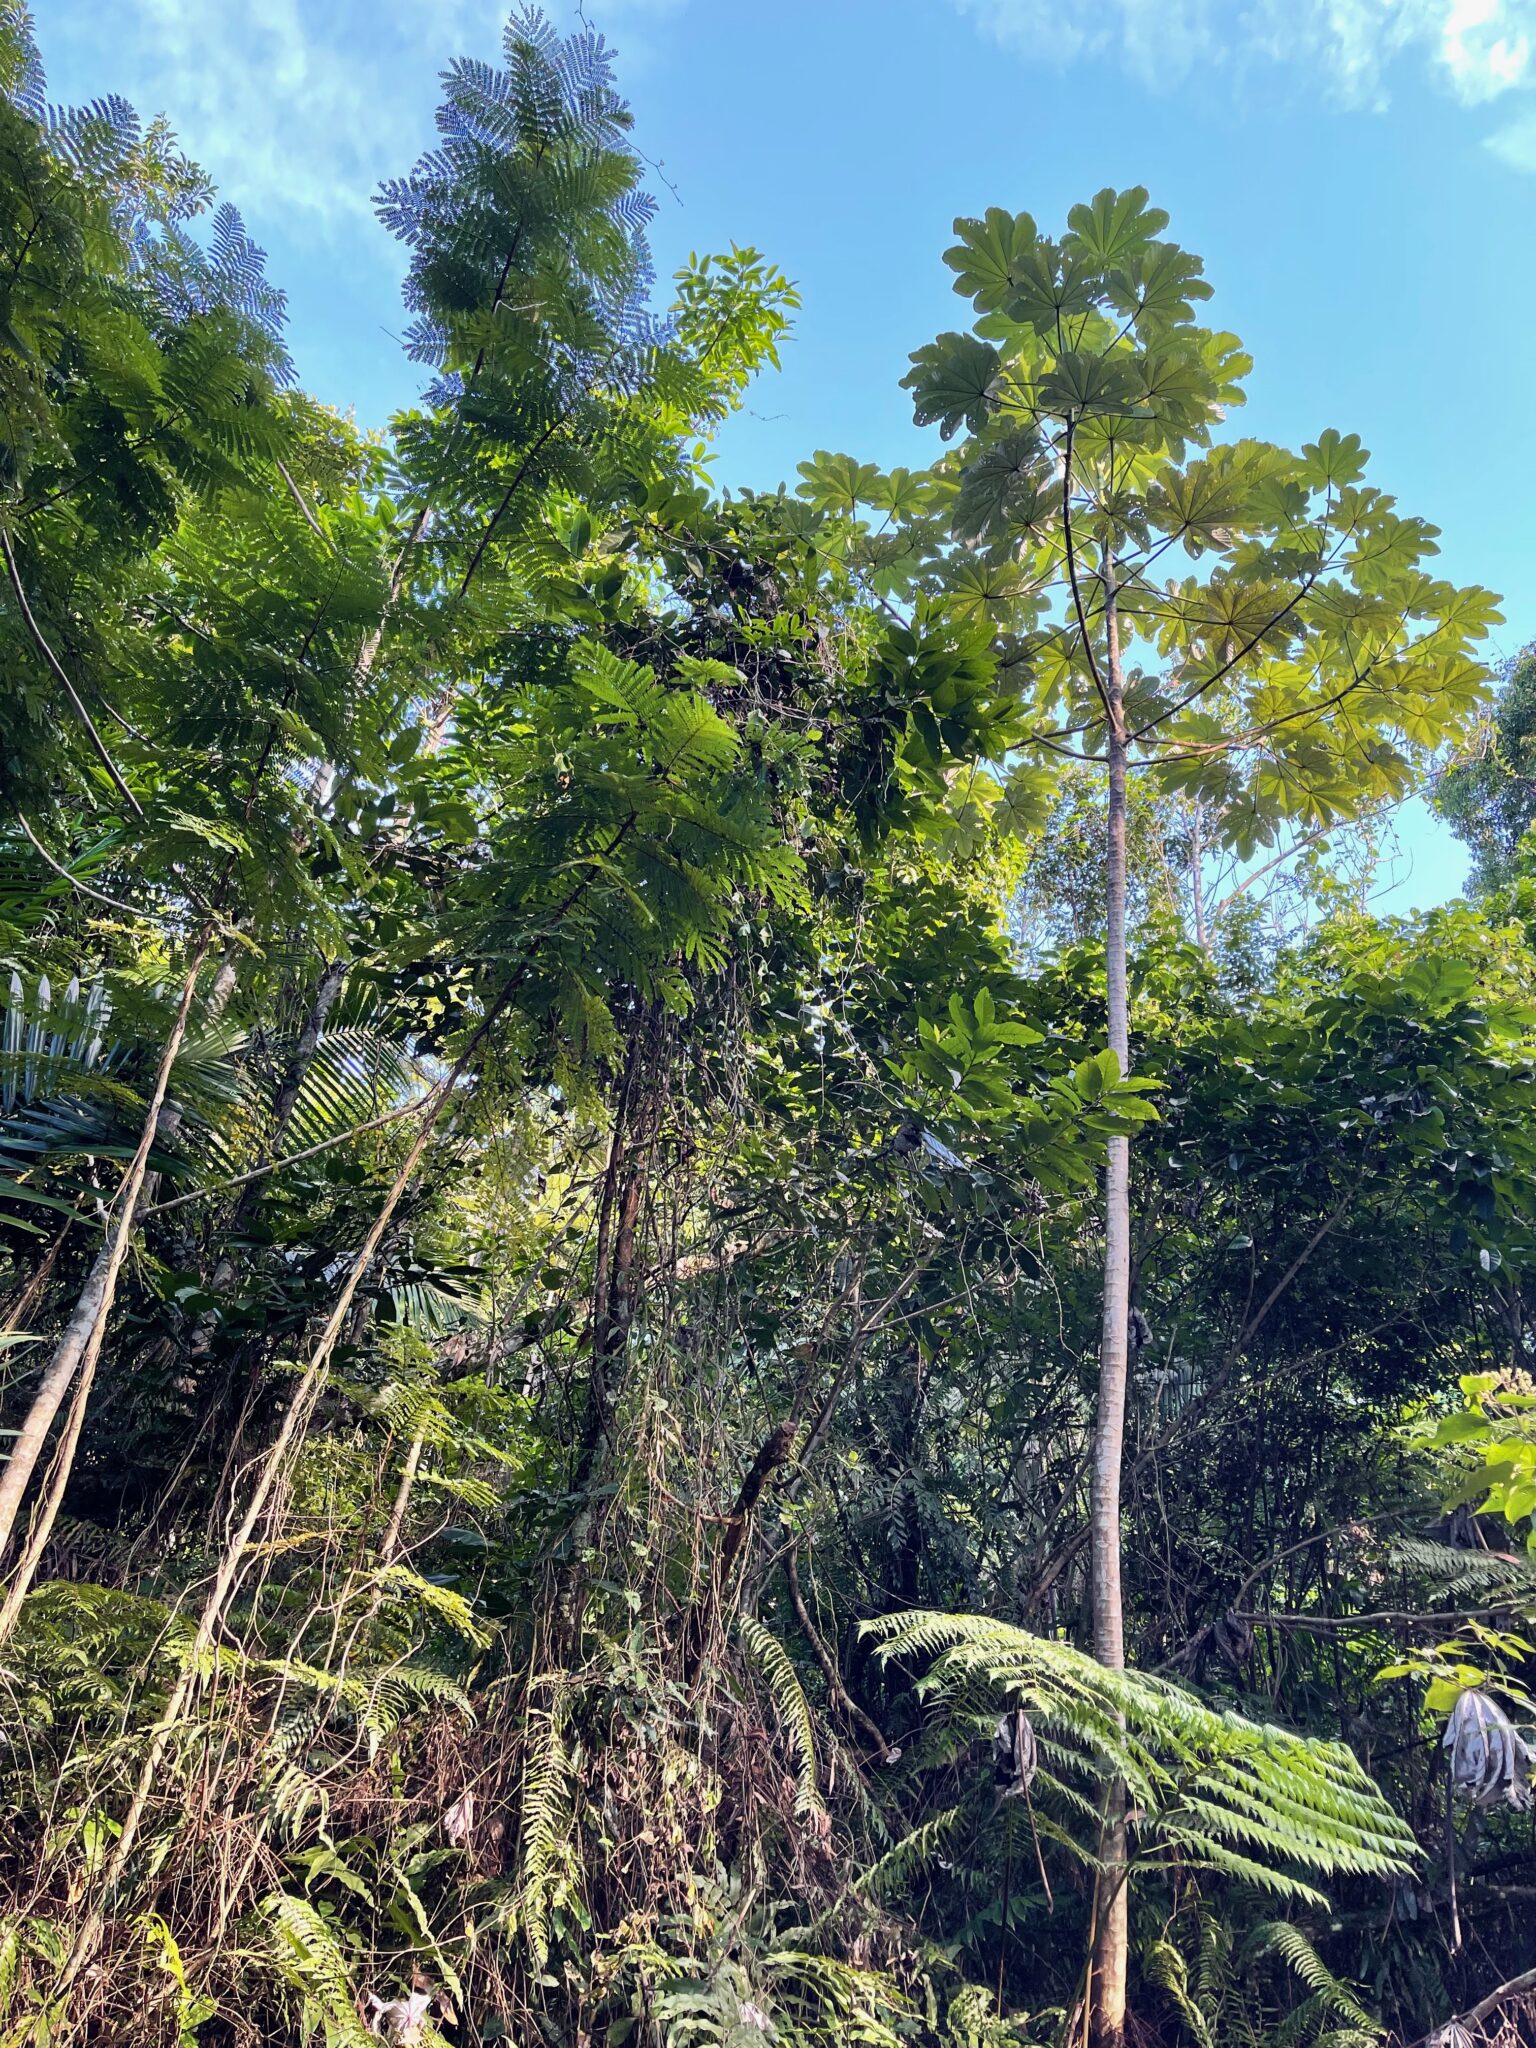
column 742, row 1300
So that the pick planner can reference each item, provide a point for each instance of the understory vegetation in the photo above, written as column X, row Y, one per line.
column 742, row 1300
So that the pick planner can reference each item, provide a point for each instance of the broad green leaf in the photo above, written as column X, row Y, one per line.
column 987, row 258
column 837, row 483
column 1115, row 226
column 1008, row 486
column 951, row 383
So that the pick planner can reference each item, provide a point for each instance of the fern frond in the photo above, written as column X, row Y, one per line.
column 908, row 1856
column 398, row 1583
column 794, row 1709
column 1256, row 1802
column 308, row 1959
column 545, row 1865
column 1164, row 1965
column 1461, row 1571
column 1340, row 2000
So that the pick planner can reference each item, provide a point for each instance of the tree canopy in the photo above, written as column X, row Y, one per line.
column 742, row 1298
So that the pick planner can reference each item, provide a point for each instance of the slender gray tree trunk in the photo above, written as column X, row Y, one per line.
column 1112, row 1918
column 1197, row 874
column 79, row 1345
column 390, row 1542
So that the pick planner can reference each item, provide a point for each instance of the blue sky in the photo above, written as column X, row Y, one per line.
column 1359, row 175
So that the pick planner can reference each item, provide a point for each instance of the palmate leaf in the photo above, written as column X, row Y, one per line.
column 1256, row 1802
column 993, row 592
column 1081, row 383
column 951, row 382
column 1335, row 460
column 1160, row 283
column 1054, row 284
column 1026, row 801
column 1115, row 227
column 837, row 483
column 904, row 493
column 989, row 257
column 1007, row 488
column 1225, row 492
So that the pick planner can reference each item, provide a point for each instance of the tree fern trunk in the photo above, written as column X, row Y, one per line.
column 1111, row 1930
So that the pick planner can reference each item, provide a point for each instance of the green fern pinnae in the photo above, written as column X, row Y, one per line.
column 297, row 1802
column 1461, row 1571
column 544, row 1866
column 475, row 1493
column 1213, row 1960
column 1340, row 1999
column 1198, row 1851
column 308, row 1959
column 794, row 1709
column 692, row 739
column 400, row 1584
column 681, row 730
column 911, row 1854
column 833, row 2000
column 628, row 692
column 10, row 1961
column 1238, row 1797
column 1164, row 1965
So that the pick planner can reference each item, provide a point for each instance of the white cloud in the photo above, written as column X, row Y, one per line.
column 1515, row 144
column 1478, row 50
column 298, row 109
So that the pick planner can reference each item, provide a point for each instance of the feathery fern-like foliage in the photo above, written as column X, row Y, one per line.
column 1207, row 1785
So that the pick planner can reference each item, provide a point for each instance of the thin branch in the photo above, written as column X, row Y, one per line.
column 1287, row 853
column 1523, row 1986
column 837, row 1690
column 1334, row 1624
column 1231, row 663
column 303, row 504
column 1077, row 595
column 240, row 1180
column 57, row 667
column 74, row 881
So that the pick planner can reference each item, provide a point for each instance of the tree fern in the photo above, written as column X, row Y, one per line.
column 1332, row 1999
column 1255, row 1802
